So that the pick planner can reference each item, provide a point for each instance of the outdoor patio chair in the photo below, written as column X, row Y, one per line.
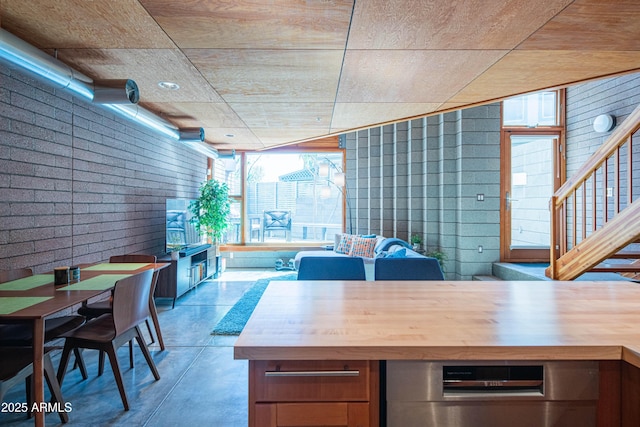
column 277, row 221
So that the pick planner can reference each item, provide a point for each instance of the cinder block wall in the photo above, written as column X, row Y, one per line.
column 78, row 184
column 423, row 177
column 618, row 96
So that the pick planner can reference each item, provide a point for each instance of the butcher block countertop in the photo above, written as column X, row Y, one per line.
column 448, row 320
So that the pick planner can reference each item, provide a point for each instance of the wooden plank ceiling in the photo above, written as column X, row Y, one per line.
column 257, row 74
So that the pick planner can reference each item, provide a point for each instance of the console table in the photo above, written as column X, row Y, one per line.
column 190, row 269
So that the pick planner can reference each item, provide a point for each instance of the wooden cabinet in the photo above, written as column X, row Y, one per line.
column 630, row 406
column 313, row 393
column 185, row 273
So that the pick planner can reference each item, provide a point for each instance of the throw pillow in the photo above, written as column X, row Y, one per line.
column 363, row 247
column 344, row 247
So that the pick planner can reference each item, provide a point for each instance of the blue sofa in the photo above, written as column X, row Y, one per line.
column 386, row 247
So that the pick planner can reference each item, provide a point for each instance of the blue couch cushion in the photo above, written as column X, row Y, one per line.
column 400, row 253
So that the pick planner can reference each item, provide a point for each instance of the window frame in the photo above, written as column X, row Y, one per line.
column 242, row 199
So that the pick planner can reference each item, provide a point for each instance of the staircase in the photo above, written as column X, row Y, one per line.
column 595, row 215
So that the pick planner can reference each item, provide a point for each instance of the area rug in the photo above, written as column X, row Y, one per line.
column 233, row 322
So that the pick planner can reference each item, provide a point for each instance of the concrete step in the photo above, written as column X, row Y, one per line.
column 535, row 271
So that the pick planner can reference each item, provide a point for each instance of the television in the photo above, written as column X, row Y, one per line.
column 181, row 234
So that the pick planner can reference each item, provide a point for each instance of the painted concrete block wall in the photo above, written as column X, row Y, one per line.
column 618, row 96
column 78, row 184
column 423, row 176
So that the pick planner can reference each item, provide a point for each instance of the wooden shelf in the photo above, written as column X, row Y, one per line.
column 187, row 272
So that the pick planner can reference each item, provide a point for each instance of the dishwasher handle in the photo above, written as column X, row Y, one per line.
column 491, row 384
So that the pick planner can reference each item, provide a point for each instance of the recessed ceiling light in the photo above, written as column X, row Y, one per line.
column 169, row 85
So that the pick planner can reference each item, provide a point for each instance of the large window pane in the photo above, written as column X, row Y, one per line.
column 293, row 197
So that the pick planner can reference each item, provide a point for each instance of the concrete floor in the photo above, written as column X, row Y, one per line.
column 201, row 384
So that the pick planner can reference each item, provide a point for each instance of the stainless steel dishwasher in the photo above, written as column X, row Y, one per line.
column 492, row 394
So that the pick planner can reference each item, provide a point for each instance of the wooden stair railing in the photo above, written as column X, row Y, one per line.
column 595, row 214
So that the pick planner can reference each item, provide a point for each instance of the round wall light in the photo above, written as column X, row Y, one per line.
column 604, row 123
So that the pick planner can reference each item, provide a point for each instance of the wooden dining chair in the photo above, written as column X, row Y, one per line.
column 21, row 334
column 16, row 366
column 14, row 274
column 110, row 331
column 101, row 307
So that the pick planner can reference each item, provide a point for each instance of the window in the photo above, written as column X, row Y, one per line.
column 534, row 110
column 287, row 197
column 532, row 169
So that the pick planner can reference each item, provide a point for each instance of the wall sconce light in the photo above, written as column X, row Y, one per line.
column 604, row 123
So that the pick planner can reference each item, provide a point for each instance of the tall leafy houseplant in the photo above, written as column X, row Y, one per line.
column 212, row 209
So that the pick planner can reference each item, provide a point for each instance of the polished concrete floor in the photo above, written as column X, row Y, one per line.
column 200, row 385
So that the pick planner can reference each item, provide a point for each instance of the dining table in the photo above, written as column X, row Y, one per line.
column 34, row 298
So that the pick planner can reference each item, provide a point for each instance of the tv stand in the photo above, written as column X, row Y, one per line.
column 194, row 265
column 191, row 250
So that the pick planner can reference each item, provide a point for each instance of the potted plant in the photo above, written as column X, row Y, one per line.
column 174, row 247
column 439, row 255
column 416, row 242
column 211, row 210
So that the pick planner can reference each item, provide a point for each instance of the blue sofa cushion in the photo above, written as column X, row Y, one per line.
column 400, row 253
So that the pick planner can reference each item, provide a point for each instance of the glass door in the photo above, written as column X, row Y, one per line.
column 531, row 172
column 532, row 168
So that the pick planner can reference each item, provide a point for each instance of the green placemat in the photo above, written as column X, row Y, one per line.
column 27, row 283
column 122, row 266
column 10, row 305
column 98, row 283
